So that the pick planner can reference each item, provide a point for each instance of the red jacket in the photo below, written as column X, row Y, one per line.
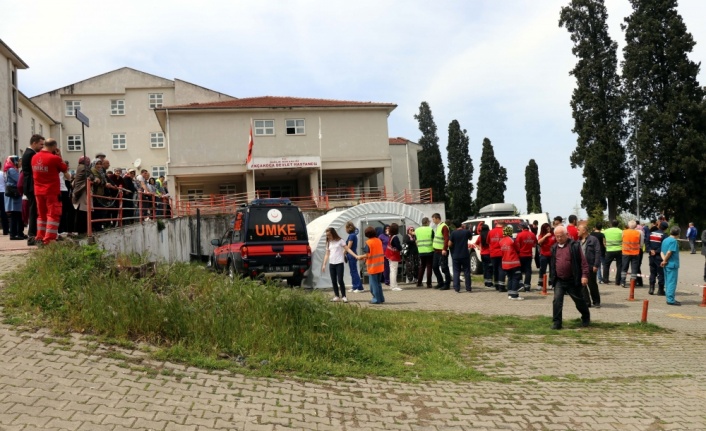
column 545, row 248
column 45, row 173
column 509, row 249
column 573, row 232
column 494, row 237
column 526, row 242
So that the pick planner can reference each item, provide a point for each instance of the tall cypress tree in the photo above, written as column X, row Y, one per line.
column 598, row 108
column 491, row 179
column 665, row 103
column 431, row 168
column 532, row 188
column 460, row 185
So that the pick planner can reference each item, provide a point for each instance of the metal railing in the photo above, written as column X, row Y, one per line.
column 123, row 208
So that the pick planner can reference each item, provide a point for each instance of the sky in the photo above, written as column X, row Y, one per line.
column 501, row 68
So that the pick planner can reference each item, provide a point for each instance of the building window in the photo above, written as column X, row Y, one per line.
column 71, row 107
column 158, row 171
column 193, row 194
column 117, row 107
column 74, row 143
column 156, row 100
column 295, row 127
column 264, row 127
column 157, row 140
column 32, row 125
column 119, row 141
column 41, row 129
column 226, row 189
column 19, row 112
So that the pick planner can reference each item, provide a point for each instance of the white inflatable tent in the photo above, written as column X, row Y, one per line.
column 374, row 214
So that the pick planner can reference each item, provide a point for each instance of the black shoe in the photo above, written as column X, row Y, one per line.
column 444, row 288
column 585, row 323
column 556, row 327
column 30, row 241
column 502, row 289
column 660, row 292
column 428, row 286
column 596, row 305
column 652, row 289
column 470, row 289
column 677, row 303
column 16, row 238
column 439, row 286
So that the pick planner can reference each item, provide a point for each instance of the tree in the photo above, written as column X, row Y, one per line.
column 532, row 188
column 666, row 111
column 431, row 168
column 491, row 179
column 598, row 108
column 460, row 185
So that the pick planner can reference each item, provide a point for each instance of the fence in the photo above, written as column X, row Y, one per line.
column 124, row 209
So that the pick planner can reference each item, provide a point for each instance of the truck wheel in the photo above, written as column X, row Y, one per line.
column 232, row 273
column 476, row 264
column 294, row 281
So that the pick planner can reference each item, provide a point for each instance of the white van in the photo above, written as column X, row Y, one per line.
column 472, row 224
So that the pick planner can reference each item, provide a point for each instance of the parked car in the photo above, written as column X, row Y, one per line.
column 267, row 238
column 472, row 224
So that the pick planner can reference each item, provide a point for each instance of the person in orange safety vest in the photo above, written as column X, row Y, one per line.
column 632, row 243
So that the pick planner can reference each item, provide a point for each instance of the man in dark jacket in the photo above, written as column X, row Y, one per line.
column 592, row 251
column 568, row 273
column 36, row 143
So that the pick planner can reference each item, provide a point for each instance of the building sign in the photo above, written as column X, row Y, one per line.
column 285, row 162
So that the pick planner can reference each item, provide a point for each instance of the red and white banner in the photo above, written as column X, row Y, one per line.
column 292, row 162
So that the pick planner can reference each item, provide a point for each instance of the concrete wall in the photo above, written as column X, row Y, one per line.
column 174, row 243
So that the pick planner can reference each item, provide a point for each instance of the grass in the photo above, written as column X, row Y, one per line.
column 201, row 318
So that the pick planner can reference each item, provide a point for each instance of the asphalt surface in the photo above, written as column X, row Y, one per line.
column 614, row 382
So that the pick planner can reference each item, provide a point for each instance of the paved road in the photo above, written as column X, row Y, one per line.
column 615, row 382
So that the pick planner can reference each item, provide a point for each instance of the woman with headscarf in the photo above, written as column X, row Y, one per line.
column 78, row 196
column 411, row 255
column 13, row 198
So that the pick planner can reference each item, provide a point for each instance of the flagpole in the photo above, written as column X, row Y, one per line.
column 254, row 186
column 321, row 164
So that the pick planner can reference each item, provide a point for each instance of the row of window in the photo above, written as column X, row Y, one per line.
column 267, row 127
column 119, row 141
column 117, row 106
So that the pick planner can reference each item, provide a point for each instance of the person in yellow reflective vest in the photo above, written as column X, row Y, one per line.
column 441, row 253
column 424, row 236
column 613, row 252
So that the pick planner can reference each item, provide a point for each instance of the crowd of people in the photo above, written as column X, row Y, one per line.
column 38, row 192
column 574, row 258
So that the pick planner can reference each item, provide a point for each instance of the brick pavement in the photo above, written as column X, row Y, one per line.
column 614, row 382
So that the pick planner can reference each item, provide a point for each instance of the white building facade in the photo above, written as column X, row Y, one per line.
column 120, row 106
column 301, row 147
column 10, row 63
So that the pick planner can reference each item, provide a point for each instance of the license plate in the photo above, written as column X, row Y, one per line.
column 280, row 268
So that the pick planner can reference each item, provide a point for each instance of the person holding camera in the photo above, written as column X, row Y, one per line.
column 46, row 166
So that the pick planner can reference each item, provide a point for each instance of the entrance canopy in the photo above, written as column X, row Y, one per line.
column 375, row 214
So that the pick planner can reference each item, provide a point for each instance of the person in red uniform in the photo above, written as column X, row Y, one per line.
column 511, row 263
column 572, row 229
column 46, row 166
column 546, row 240
column 526, row 241
column 496, row 256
